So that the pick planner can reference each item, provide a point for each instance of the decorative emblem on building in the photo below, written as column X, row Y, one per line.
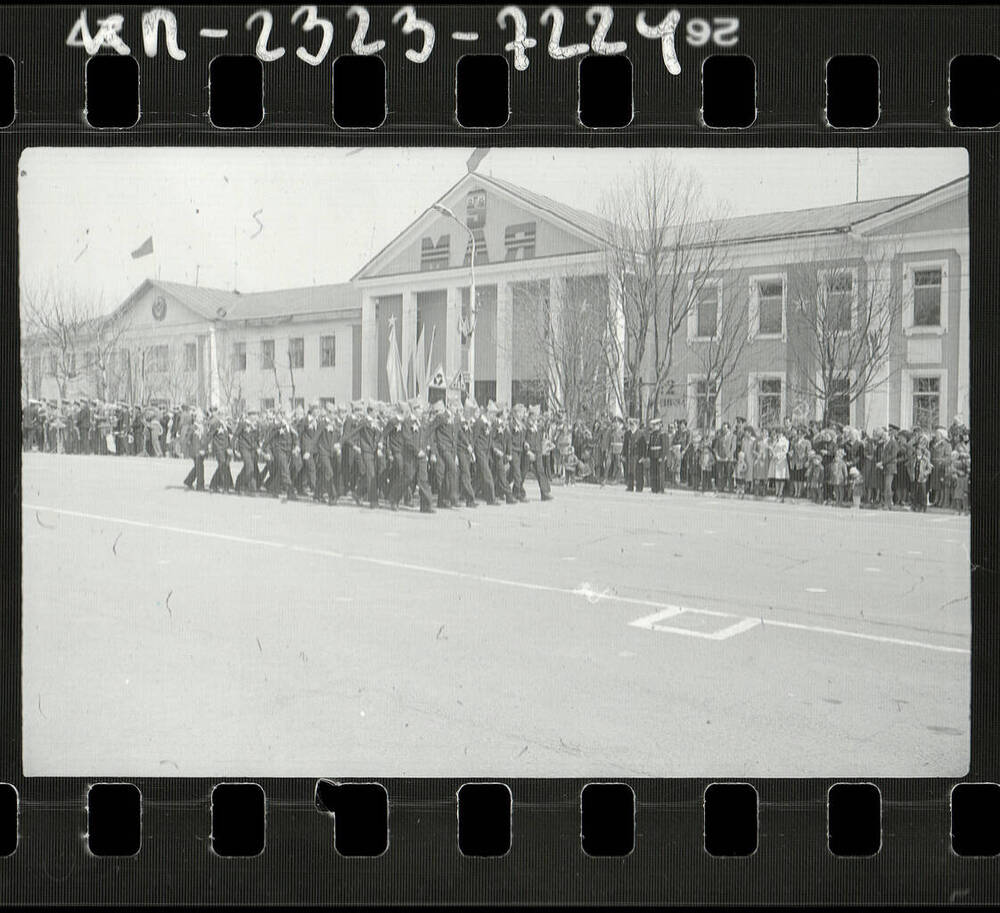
column 159, row 307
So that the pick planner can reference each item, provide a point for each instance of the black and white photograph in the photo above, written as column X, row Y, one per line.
column 495, row 462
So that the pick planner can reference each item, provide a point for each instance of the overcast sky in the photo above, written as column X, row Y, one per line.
column 325, row 212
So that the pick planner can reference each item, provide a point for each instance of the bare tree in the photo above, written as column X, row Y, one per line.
column 104, row 344
column 231, row 376
column 56, row 322
column 664, row 246
column 563, row 342
column 718, row 356
column 842, row 312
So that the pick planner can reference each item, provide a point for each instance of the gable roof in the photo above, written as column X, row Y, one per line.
column 841, row 217
column 225, row 305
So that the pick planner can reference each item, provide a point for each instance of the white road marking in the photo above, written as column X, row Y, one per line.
column 652, row 623
column 874, row 570
column 664, row 610
column 815, row 589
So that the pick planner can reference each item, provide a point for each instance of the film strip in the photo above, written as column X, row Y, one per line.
column 591, row 821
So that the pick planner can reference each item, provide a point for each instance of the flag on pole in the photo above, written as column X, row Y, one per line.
column 144, row 249
column 477, row 156
column 417, row 358
column 429, row 356
column 393, row 368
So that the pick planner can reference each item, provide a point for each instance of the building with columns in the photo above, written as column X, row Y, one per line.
column 523, row 252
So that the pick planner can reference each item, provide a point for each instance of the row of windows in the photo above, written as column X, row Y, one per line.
column 296, row 353
column 767, row 401
column 768, row 304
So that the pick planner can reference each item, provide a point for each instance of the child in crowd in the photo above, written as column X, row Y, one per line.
column 706, row 462
column 923, row 473
column 857, row 485
column 960, row 492
column 838, row 477
column 815, row 478
column 741, row 474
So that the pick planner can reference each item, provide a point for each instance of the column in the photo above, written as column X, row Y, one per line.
column 505, row 342
column 452, row 338
column 213, row 367
column 369, row 347
column 408, row 338
column 962, row 402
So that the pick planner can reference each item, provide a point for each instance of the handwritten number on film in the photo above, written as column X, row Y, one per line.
column 721, row 30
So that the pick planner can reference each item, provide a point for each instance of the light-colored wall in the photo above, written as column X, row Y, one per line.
column 550, row 240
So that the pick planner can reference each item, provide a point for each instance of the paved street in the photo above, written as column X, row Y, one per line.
column 169, row 632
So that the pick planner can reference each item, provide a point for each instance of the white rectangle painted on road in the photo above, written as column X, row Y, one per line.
column 651, row 623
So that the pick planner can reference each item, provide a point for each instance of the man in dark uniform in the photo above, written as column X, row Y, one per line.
column 515, row 452
column 218, row 432
column 368, row 453
column 394, row 445
column 466, row 455
column 199, row 445
column 682, row 439
column 483, row 449
column 444, row 445
column 639, row 455
column 418, row 439
column 138, row 432
column 501, row 447
column 83, row 419
column 328, row 449
column 282, row 441
column 309, row 446
column 655, row 450
column 246, row 440
column 534, row 440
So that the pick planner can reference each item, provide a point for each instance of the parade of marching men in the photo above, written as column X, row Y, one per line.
column 452, row 455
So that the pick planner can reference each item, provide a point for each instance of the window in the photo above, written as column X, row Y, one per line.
column 707, row 312
column 325, row 401
column 838, row 402
column 298, row 402
column 160, row 357
column 327, row 351
column 190, row 356
column 769, row 395
column 705, row 402
column 519, row 241
column 267, row 353
column 927, row 297
column 927, row 401
column 839, row 299
column 770, row 307
column 266, row 402
column 296, row 352
column 435, row 255
column 53, row 363
column 239, row 356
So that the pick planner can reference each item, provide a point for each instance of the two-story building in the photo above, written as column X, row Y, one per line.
column 523, row 251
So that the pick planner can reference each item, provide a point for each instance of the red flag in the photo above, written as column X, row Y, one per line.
column 143, row 249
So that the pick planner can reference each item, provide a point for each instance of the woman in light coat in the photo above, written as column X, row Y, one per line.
column 778, row 469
